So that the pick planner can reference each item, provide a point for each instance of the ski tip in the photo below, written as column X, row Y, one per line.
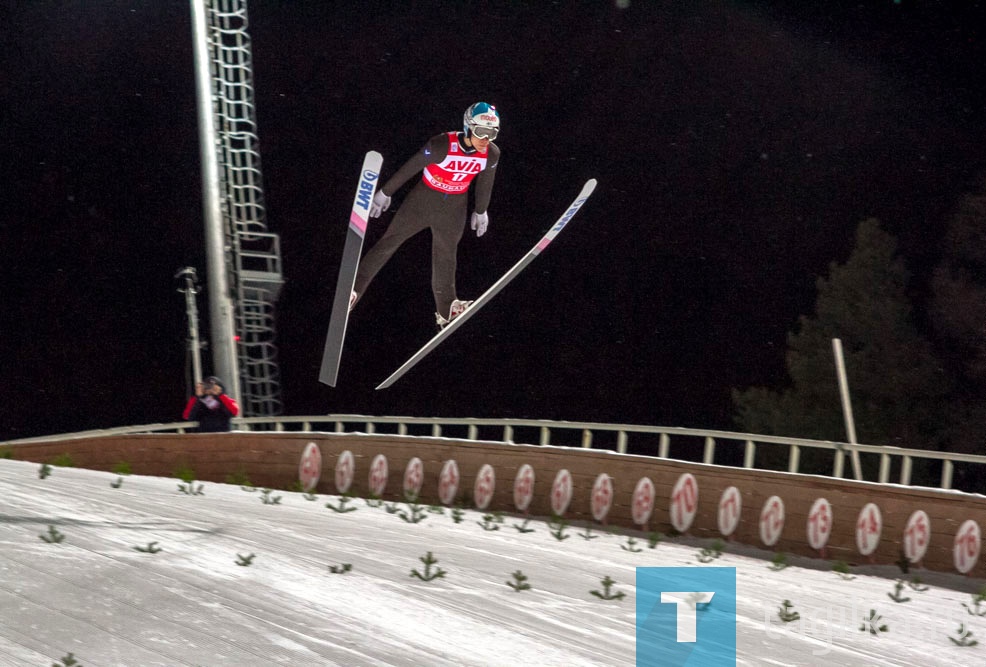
column 589, row 186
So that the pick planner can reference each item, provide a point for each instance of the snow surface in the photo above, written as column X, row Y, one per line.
column 95, row 596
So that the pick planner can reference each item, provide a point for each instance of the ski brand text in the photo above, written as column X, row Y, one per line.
column 365, row 192
column 568, row 215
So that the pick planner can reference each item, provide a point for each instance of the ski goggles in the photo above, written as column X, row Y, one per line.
column 483, row 132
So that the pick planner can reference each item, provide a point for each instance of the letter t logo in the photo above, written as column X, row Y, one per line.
column 686, row 602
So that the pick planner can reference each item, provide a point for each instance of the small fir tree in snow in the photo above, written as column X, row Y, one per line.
column 428, row 559
column 340, row 569
column 977, row 608
column 52, row 536
column 122, row 469
column 240, row 479
column 964, row 638
column 607, row 593
column 587, row 534
column 522, row 527
column 520, row 582
column 779, row 562
column 267, row 497
column 416, row 513
column 841, row 568
column 151, row 548
column 916, row 584
column 44, row 471
column 68, row 661
column 896, row 596
column 457, row 514
column 185, row 474
column 489, row 522
column 872, row 624
column 343, row 505
column 191, row 489
column 373, row 501
column 308, row 495
column 786, row 612
column 710, row 553
column 631, row 545
column 558, row 526
column 245, row 561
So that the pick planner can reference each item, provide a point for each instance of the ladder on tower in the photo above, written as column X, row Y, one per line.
column 254, row 259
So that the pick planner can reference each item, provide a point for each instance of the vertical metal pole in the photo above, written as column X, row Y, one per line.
column 192, row 313
column 840, row 367
column 224, row 359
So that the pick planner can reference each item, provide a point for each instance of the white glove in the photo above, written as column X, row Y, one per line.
column 381, row 203
column 479, row 222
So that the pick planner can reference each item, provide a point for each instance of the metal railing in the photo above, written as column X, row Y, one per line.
column 881, row 464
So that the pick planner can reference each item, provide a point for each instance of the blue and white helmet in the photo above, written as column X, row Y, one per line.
column 482, row 120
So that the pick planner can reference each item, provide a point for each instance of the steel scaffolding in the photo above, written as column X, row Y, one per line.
column 244, row 258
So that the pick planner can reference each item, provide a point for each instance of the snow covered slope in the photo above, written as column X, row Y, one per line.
column 96, row 596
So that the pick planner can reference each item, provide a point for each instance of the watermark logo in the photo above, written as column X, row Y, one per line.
column 686, row 616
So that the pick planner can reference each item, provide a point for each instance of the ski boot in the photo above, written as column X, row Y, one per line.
column 458, row 307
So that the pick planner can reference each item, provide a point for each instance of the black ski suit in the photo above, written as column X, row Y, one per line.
column 444, row 214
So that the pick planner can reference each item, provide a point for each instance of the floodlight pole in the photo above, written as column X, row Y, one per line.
column 840, row 368
column 190, row 289
column 221, row 308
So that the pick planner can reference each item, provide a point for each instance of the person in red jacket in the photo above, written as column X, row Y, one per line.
column 211, row 407
column 448, row 164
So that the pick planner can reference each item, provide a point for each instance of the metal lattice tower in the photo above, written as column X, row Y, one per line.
column 250, row 256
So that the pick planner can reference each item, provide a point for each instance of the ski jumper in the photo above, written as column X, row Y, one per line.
column 438, row 202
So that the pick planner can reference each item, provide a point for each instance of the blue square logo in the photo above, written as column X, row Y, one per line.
column 686, row 616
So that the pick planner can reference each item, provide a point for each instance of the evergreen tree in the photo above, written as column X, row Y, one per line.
column 958, row 316
column 896, row 383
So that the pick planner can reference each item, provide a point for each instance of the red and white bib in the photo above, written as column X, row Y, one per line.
column 454, row 174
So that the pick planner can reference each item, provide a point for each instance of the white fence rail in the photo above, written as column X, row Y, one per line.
column 908, row 467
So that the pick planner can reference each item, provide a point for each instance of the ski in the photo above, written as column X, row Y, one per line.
column 358, row 219
column 485, row 297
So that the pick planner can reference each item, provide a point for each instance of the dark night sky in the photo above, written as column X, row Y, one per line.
column 736, row 144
